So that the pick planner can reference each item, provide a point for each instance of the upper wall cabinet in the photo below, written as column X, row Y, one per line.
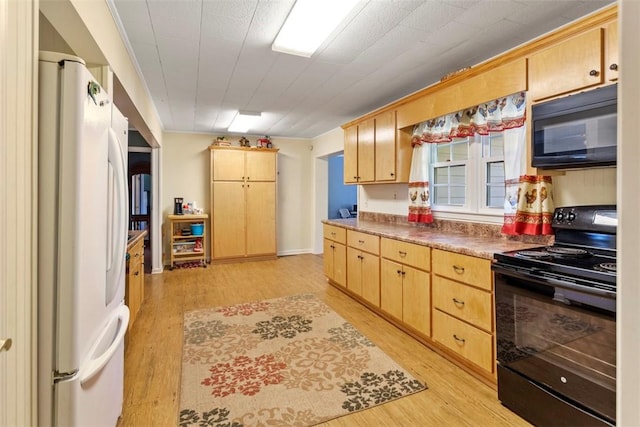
column 612, row 64
column 568, row 66
column 373, row 154
column 447, row 98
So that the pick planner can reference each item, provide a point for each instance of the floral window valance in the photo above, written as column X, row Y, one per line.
column 528, row 203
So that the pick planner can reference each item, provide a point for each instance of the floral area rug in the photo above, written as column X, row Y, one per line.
column 288, row 361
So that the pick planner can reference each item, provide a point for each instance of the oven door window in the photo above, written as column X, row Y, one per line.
column 564, row 348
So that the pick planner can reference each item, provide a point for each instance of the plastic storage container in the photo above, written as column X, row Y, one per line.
column 197, row 229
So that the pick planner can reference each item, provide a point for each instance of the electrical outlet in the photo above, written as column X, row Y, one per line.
column 395, row 195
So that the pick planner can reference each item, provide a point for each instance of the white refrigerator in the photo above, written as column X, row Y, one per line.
column 82, row 234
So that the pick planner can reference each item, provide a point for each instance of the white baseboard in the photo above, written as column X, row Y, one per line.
column 295, row 252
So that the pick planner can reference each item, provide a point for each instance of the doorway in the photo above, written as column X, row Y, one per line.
column 342, row 198
column 140, row 199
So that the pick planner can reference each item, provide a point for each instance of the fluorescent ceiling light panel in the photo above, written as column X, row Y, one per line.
column 243, row 121
column 309, row 23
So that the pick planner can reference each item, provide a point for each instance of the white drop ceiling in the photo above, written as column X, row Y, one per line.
column 202, row 60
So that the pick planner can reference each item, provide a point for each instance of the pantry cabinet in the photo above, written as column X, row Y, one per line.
column 335, row 254
column 243, row 203
column 363, row 266
column 405, row 283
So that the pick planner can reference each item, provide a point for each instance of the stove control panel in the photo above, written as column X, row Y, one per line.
column 589, row 218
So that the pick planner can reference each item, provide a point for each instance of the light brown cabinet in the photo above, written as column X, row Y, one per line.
column 442, row 298
column 359, row 153
column 463, row 307
column 363, row 266
column 335, row 254
column 568, row 66
column 405, row 283
column 134, row 286
column 372, row 152
column 613, row 60
column 243, row 203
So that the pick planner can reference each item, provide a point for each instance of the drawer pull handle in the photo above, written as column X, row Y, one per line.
column 457, row 301
column 402, row 254
column 458, row 269
column 457, row 338
column 333, row 233
column 361, row 242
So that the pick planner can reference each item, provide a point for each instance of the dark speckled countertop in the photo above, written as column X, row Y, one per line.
column 477, row 245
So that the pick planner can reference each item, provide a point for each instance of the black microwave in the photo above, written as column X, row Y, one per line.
column 576, row 131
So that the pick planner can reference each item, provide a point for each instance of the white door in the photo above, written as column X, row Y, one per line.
column 18, row 31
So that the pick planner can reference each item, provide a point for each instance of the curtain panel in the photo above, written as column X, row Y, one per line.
column 528, row 204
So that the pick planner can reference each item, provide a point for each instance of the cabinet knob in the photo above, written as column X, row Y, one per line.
column 594, row 73
column 137, row 273
column 392, row 174
column 613, row 67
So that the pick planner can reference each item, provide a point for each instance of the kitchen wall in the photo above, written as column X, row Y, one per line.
column 186, row 174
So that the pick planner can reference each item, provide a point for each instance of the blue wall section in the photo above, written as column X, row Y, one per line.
column 340, row 195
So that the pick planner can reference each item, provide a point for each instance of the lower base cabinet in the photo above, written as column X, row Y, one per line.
column 134, row 283
column 405, row 295
column 442, row 298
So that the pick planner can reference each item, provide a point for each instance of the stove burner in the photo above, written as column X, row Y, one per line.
column 533, row 254
column 609, row 267
column 568, row 252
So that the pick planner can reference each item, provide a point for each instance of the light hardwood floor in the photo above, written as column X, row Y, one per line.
column 154, row 347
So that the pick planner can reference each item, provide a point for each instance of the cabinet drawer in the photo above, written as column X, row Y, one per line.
column 463, row 268
column 464, row 302
column 465, row 340
column 406, row 253
column 365, row 242
column 337, row 234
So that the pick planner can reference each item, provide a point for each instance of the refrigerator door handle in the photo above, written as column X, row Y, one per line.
column 96, row 362
column 118, row 240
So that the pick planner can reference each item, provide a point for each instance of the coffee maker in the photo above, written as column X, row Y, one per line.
column 177, row 206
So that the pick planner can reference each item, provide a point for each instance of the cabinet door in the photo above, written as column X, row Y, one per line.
column 261, row 166
column 568, row 66
column 328, row 258
column 611, row 65
column 354, row 271
column 228, row 220
column 261, row 218
column 227, row 165
column 351, row 155
column 366, row 151
column 371, row 278
column 385, row 146
column 416, row 304
column 391, row 288
column 340, row 264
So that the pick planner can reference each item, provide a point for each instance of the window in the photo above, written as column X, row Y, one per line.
column 467, row 174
